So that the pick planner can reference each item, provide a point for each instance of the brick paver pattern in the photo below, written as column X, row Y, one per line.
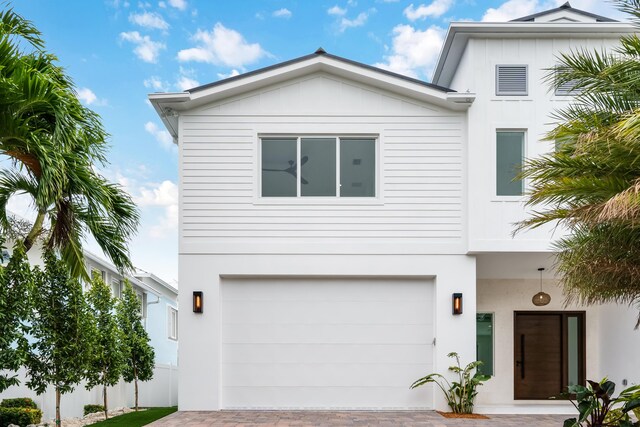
column 348, row 418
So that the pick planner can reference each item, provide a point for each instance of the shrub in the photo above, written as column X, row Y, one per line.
column 90, row 409
column 19, row 416
column 19, row 402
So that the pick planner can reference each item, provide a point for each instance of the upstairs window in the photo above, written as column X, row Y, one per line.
column 173, row 324
column 116, row 286
column 511, row 80
column 509, row 159
column 318, row 167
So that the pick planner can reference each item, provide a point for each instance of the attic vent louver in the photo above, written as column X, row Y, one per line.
column 511, row 80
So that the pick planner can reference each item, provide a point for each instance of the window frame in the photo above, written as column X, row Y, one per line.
column 337, row 199
column 493, row 339
column 171, row 325
column 498, row 93
column 494, row 160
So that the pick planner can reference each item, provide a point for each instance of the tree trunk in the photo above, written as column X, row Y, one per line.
column 58, row 420
column 135, row 373
column 104, row 395
column 34, row 232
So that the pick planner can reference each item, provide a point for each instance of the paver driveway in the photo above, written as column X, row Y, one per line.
column 348, row 418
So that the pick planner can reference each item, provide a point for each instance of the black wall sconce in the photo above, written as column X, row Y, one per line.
column 197, row 301
column 457, row 303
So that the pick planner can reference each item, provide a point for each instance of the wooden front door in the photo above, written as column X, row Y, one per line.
column 548, row 353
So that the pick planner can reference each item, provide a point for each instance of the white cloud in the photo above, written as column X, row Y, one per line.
column 282, row 13
column 358, row 21
column 436, row 9
column 168, row 223
column 87, row 97
column 146, row 49
column 178, row 4
column 233, row 73
column 162, row 136
column 149, row 20
column 512, row 9
column 164, row 194
column 156, row 84
column 186, row 83
column 222, row 46
column 337, row 10
column 414, row 52
column 162, row 5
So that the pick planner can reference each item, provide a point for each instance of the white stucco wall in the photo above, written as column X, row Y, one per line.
column 200, row 386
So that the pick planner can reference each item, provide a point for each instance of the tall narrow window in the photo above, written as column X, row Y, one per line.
column 173, row 324
column 509, row 157
column 318, row 167
column 279, row 167
column 357, row 168
column 484, row 342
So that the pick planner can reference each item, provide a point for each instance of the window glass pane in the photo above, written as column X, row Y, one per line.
column 318, row 167
column 573, row 360
column 509, row 150
column 484, row 342
column 357, row 167
column 279, row 167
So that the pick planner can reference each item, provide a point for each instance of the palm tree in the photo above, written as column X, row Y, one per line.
column 55, row 143
column 591, row 183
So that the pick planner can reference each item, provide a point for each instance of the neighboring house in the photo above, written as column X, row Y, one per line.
column 159, row 308
column 330, row 212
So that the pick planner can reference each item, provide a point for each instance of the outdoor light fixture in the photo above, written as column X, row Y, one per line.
column 457, row 303
column 197, row 301
column 541, row 298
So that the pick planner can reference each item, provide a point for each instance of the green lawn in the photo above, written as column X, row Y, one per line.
column 137, row 419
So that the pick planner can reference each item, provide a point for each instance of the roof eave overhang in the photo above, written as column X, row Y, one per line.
column 169, row 105
column 460, row 32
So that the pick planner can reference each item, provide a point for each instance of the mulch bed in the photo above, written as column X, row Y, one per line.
column 471, row 416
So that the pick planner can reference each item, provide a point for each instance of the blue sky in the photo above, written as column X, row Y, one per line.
column 118, row 51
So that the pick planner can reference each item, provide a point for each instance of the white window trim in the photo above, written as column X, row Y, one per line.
column 494, row 165
column 318, row 200
column 170, row 329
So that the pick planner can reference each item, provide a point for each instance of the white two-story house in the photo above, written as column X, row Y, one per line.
column 344, row 228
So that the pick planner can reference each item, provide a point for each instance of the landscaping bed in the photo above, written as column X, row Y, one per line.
column 136, row 419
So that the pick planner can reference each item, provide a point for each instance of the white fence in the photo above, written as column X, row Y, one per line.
column 162, row 390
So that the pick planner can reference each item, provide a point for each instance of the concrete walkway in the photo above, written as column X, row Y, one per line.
column 348, row 418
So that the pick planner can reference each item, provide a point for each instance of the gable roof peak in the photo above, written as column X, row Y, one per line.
column 320, row 51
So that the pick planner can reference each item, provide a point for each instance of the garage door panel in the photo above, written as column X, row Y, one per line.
column 326, row 343
column 328, row 353
column 318, row 290
column 332, row 397
column 327, row 333
column 337, row 312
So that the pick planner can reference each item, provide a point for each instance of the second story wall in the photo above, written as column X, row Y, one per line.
column 492, row 217
column 418, row 203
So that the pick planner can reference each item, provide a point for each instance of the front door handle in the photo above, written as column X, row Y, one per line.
column 520, row 362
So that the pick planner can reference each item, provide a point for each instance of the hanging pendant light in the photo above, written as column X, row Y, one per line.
column 541, row 298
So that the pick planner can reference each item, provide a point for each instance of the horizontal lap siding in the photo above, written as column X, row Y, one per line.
column 421, row 182
column 421, row 160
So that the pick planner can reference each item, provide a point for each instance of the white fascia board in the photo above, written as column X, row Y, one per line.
column 168, row 105
column 460, row 32
column 157, row 280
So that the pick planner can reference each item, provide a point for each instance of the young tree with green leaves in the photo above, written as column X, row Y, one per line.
column 107, row 360
column 62, row 332
column 16, row 281
column 139, row 355
column 591, row 184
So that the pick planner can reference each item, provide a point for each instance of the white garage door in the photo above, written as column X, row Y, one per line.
column 338, row 343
